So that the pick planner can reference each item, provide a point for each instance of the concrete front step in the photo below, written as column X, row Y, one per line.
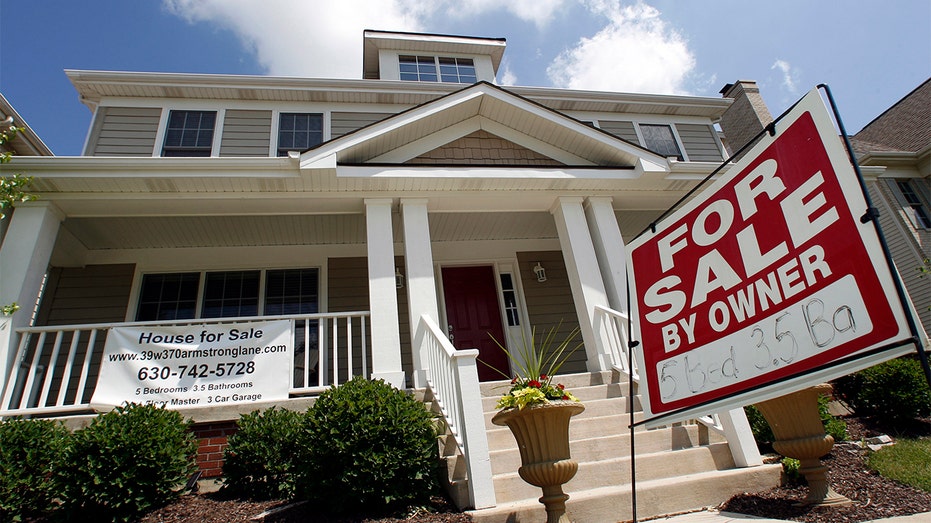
column 654, row 498
column 616, row 471
column 616, row 445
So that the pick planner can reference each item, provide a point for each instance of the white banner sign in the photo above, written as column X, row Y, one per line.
column 196, row 365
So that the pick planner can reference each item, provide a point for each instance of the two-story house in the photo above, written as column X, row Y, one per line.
column 393, row 219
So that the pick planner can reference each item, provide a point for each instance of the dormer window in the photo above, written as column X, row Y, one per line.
column 424, row 69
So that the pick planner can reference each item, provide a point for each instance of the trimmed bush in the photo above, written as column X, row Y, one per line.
column 894, row 391
column 368, row 446
column 259, row 459
column 30, row 451
column 127, row 462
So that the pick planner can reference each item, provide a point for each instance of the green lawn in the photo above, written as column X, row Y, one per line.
column 908, row 461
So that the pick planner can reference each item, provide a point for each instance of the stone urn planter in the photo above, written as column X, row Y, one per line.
column 542, row 434
column 800, row 434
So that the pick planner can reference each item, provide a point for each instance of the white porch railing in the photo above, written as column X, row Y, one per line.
column 56, row 368
column 732, row 424
column 452, row 377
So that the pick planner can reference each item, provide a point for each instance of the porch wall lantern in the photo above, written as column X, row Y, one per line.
column 398, row 278
column 540, row 272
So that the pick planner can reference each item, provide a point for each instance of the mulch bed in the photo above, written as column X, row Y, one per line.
column 873, row 496
column 213, row 508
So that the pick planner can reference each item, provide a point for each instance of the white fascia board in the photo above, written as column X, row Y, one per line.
column 319, row 161
column 471, row 173
column 147, row 167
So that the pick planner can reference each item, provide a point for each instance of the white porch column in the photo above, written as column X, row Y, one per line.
column 383, row 298
column 420, row 280
column 585, row 280
column 609, row 249
column 24, row 259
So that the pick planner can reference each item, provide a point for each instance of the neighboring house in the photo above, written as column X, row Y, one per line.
column 894, row 152
column 385, row 216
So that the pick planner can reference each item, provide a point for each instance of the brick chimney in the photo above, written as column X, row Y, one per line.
column 746, row 117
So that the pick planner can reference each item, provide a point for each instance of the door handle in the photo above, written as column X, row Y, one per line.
column 449, row 329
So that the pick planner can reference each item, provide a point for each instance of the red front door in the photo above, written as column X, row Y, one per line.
column 473, row 315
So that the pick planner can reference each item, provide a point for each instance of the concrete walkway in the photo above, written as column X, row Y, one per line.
column 713, row 516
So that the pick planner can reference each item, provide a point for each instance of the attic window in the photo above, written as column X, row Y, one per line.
column 299, row 132
column 424, row 69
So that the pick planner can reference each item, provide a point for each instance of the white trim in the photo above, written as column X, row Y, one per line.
column 218, row 128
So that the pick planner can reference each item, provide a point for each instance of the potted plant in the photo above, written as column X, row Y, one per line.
column 538, row 411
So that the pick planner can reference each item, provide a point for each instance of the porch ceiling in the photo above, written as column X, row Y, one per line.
column 255, row 231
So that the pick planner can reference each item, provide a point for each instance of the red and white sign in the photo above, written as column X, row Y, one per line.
column 766, row 275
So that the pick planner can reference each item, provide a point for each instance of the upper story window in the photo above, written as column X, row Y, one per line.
column 659, row 139
column 189, row 133
column 424, row 69
column 299, row 131
column 918, row 212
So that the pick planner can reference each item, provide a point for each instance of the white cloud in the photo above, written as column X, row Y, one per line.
column 299, row 38
column 789, row 75
column 540, row 12
column 508, row 77
column 324, row 39
column 635, row 52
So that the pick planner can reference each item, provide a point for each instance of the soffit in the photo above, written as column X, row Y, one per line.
column 173, row 232
column 93, row 86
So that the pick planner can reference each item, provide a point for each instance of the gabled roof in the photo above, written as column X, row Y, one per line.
column 482, row 107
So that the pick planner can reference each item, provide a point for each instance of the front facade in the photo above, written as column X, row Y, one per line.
column 419, row 209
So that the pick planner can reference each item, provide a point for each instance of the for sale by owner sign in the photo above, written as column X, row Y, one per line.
column 764, row 279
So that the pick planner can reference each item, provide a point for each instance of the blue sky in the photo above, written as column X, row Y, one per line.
column 870, row 52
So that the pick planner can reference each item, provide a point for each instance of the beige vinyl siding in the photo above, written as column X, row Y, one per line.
column 342, row 123
column 74, row 296
column 124, row 131
column 623, row 130
column 905, row 245
column 699, row 142
column 246, row 133
column 550, row 302
column 348, row 290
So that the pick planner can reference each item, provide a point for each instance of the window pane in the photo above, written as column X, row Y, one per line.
column 299, row 132
column 231, row 294
column 189, row 133
column 168, row 296
column 291, row 291
column 660, row 140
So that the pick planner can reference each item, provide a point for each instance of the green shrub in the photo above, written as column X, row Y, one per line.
column 894, row 391
column 367, row 446
column 126, row 462
column 30, row 451
column 834, row 427
column 259, row 459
